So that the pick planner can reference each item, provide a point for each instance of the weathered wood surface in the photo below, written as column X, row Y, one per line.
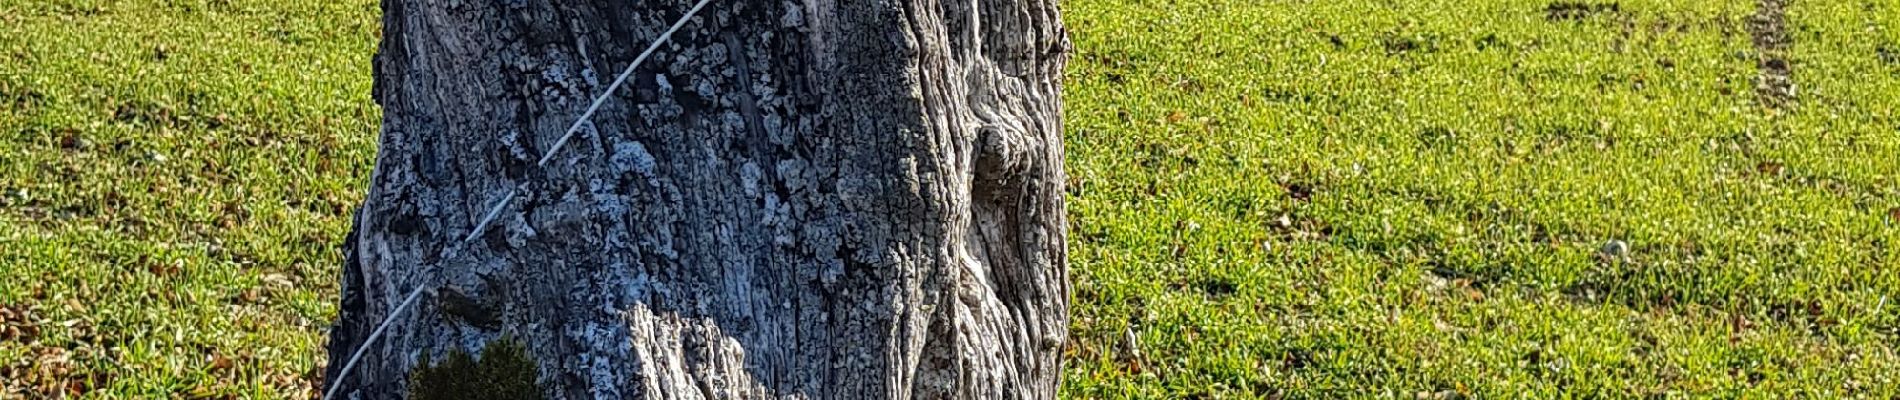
column 794, row 199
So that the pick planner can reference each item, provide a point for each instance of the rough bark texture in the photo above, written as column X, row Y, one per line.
column 794, row 199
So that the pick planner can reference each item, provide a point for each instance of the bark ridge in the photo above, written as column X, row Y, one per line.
column 794, row 199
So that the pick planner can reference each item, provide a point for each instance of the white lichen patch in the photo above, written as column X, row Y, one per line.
column 665, row 86
column 601, row 354
column 519, row 231
column 631, row 156
column 749, row 175
column 562, row 83
column 511, row 139
column 792, row 172
column 794, row 16
column 704, row 88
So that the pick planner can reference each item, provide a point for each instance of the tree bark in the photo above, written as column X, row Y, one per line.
column 793, row 199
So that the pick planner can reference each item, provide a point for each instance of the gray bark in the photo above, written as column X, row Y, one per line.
column 794, row 199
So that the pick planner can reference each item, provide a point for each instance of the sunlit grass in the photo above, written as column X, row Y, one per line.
column 175, row 178
column 1317, row 199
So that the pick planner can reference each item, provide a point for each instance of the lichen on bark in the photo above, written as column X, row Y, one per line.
column 791, row 199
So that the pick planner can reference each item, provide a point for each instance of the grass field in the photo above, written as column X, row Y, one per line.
column 1299, row 199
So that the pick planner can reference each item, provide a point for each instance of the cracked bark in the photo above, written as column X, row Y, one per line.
column 793, row 199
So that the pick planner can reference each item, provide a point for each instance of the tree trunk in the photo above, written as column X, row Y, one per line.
column 793, row 199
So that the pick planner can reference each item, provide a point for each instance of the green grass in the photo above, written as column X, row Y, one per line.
column 1305, row 199
column 1446, row 170
column 175, row 180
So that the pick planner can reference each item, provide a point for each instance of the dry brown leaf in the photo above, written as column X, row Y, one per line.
column 1769, row 168
column 220, row 362
column 275, row 279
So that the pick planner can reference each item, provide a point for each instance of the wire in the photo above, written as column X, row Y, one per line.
column 358, row 355
column 586, row 116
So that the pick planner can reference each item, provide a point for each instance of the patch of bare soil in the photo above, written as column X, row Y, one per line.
column 1774, row 87
column 45, row 369
column 1575, row 11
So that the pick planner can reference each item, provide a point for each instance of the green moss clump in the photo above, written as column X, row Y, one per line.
column 504, row 372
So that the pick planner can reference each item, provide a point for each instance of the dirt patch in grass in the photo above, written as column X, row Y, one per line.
column 49, row 368
column 1577, row 11
column 1774, row 87
column 20, row 98
column 1216, row 287
column 1438, row 138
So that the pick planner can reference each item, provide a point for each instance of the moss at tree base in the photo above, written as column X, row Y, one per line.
column 503, row 372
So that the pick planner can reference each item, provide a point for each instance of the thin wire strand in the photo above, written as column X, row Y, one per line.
column 586, row 116
column 492, row 212
column 618, row 80
column 345, row 372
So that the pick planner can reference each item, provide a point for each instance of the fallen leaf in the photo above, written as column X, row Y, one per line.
column 1769, row 168
column 1299, row 191
column 278, row 280
column 220, row 362
column 163, row 269
column 72, row 141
